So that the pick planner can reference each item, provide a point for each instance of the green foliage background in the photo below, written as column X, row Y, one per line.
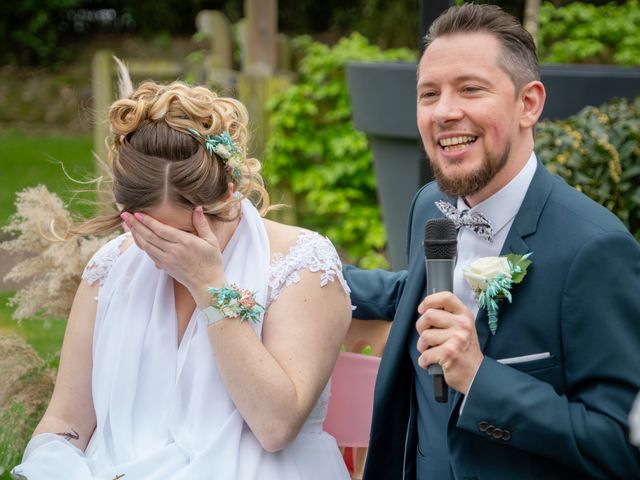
column 585, row 33
column 598, row 152
column 314, row 153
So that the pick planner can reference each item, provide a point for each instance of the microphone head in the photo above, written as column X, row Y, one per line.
column 440, row 239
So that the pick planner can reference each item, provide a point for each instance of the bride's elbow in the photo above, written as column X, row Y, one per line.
column 277, row 437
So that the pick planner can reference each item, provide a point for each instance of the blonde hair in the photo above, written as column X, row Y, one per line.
column 154, row 158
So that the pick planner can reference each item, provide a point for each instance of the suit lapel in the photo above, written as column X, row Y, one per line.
column 524, row 224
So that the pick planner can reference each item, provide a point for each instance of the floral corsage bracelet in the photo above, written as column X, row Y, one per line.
column 232, row 302
column 491, row 279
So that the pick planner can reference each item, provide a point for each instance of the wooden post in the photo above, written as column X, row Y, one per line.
column 262, row 36
column 254, row 90
column 102, row 86
column 429, row 11
column 216, row 27
column 218, row 64
column 532, row 17
column 285, row 55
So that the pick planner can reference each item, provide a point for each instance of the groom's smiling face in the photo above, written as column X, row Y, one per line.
column 467, row 111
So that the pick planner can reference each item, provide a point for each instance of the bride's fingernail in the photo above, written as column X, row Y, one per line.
column 125, row 218
column 138, row 216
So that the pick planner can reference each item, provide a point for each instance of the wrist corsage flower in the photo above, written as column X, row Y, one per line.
column 491, row 279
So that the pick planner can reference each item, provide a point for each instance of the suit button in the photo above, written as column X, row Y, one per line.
column 482, row 426
column 490, row 430
column 497, row 433
column 506, row 435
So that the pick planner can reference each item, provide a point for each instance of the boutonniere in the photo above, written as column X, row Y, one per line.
column 491, row 279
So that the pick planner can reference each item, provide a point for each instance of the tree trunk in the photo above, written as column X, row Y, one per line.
column 532, row 17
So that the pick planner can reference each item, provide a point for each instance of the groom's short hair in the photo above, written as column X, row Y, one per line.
column 519, row 59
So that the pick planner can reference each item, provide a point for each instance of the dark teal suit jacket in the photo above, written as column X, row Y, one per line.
column 566, row 415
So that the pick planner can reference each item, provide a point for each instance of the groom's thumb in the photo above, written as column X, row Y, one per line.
column 202, row 226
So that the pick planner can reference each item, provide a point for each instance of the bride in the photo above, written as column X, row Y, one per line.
column 200, row 343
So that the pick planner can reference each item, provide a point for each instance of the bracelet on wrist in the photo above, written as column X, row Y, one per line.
column 232, row 302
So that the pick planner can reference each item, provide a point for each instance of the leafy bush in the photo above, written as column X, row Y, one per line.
column 314, row 153
column 30, row 31
column 585, row 33
column 598, row 152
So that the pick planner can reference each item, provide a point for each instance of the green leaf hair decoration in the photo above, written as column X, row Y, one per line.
column 223, row 146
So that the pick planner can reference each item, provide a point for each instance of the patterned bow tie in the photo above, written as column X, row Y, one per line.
column 475, row 221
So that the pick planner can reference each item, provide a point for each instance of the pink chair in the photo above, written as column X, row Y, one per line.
column 351, row 404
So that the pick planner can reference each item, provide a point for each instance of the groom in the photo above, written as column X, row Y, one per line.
column 548, row 395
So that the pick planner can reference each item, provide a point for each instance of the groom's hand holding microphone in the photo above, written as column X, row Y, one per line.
column 448, row 341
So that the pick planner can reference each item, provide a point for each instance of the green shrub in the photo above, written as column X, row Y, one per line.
column 30, row 31
column 598, row 152
column 585, row 33
column 314, row 153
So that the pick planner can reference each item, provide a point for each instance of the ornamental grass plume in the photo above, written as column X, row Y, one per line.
column 26, row 385
column 54, row 261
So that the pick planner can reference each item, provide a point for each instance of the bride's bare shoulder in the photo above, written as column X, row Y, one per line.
column 281, row 236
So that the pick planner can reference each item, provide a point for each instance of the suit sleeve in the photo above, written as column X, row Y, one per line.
column 587, row 427
column 374, row 293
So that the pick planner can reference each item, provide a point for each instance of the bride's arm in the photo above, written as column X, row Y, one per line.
column 275, row 384
column 70, row 413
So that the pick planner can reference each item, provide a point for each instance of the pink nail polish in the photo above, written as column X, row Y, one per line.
column 138, row 216
column 125, row 218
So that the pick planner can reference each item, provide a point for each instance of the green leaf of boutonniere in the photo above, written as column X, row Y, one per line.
column 491, row 279
column 519, row 265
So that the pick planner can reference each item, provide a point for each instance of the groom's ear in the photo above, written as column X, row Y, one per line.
column 531, row 98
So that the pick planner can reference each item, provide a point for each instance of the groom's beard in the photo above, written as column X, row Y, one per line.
column 471, row 183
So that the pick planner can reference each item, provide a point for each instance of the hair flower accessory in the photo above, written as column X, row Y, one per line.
column 491, row 279
column 224, row 147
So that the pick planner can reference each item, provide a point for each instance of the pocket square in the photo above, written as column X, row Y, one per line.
column 524, row 358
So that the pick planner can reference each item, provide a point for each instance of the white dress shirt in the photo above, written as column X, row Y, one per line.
column 500, row 209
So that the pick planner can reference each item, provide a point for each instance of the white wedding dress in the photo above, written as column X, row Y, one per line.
column 162, row 410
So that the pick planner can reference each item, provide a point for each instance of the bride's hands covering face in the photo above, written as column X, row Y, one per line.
column 193, row 259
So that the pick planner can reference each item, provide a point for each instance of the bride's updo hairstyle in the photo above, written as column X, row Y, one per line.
column 158, row 152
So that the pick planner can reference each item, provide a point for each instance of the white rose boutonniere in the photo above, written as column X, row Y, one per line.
column 491, row 279
column 634, row 422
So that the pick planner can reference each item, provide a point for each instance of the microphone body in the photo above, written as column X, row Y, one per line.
column 440, row 247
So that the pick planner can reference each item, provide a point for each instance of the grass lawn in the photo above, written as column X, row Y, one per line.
column 28, row 159
column 45, row 336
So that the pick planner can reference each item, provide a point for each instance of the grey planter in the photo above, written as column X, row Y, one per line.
column 383, row 98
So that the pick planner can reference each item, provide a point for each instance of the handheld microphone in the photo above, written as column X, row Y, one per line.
column 440, row 249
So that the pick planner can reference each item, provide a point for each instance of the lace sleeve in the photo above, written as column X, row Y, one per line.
column 100, row 264
column 312, row 252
